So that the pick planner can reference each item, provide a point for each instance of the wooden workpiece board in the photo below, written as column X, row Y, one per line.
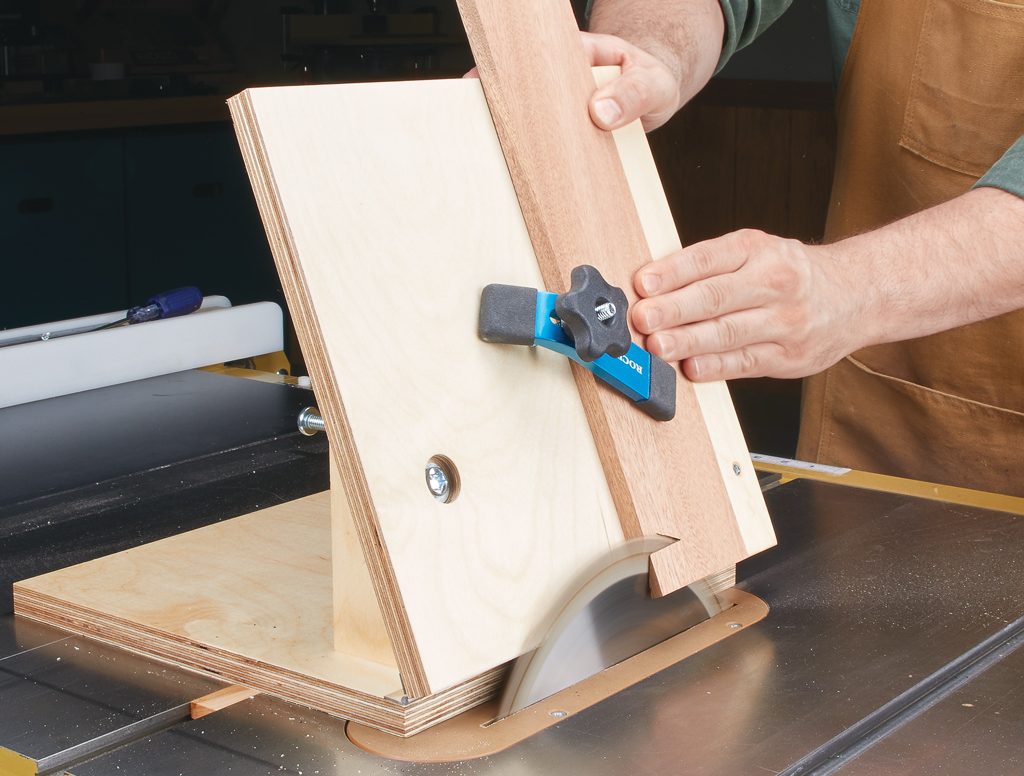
column 578, row 208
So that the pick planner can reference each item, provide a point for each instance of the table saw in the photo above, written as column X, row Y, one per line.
column 493, row 509
column 891, row 647
column 895, row 613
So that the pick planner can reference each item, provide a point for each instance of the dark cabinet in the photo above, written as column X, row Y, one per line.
column 62, row 230
column 192, row 219
column 99, row 224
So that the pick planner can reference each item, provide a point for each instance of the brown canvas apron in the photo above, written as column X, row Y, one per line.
column 932, row 94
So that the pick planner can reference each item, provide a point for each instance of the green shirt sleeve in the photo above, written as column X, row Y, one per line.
column 744, row 21
column 1007, row 173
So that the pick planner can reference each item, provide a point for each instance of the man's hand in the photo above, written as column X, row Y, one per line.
column 646, row 90
column 667, row 49
column 750, row 305
column 744, row 305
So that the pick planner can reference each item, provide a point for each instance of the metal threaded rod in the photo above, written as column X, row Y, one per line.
column 310, row 421
column 605, row 312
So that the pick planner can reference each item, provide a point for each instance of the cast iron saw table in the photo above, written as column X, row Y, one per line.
column 891, row 647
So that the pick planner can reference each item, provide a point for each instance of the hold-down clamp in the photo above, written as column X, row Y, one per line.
column 588, row 324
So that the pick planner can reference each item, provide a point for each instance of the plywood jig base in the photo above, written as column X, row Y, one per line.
column 248, row 600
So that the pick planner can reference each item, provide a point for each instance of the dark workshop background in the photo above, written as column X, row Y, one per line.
column 121, row 176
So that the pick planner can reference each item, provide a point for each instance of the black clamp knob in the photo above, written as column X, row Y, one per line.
column 595, row 314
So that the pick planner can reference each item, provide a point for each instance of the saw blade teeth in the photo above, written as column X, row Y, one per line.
column 611, row 618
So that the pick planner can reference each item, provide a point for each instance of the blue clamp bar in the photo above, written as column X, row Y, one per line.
column 516, row 315
column 630, row 374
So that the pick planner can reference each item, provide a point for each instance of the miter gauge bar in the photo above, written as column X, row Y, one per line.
column 587, row 324
column 608, row 618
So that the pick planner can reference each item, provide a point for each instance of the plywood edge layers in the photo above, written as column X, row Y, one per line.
column 577, row 206
column 382, row 713
column 346, row 456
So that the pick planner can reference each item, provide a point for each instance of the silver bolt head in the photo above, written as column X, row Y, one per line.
column 310, row 421
column 437, row 481
column 736, row 469
column 605, row 312
column 559, row 714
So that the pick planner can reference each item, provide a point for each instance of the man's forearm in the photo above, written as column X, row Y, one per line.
column 951, row 265
column 686, row 35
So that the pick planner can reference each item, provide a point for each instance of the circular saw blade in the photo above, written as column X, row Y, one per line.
column 609, row 618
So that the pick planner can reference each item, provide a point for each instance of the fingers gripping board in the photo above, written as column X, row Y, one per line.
column 389, row 207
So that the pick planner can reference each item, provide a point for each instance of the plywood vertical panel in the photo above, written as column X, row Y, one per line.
column 392, row 208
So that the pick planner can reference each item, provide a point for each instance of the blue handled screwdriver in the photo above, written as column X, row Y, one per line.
column 169, row 304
